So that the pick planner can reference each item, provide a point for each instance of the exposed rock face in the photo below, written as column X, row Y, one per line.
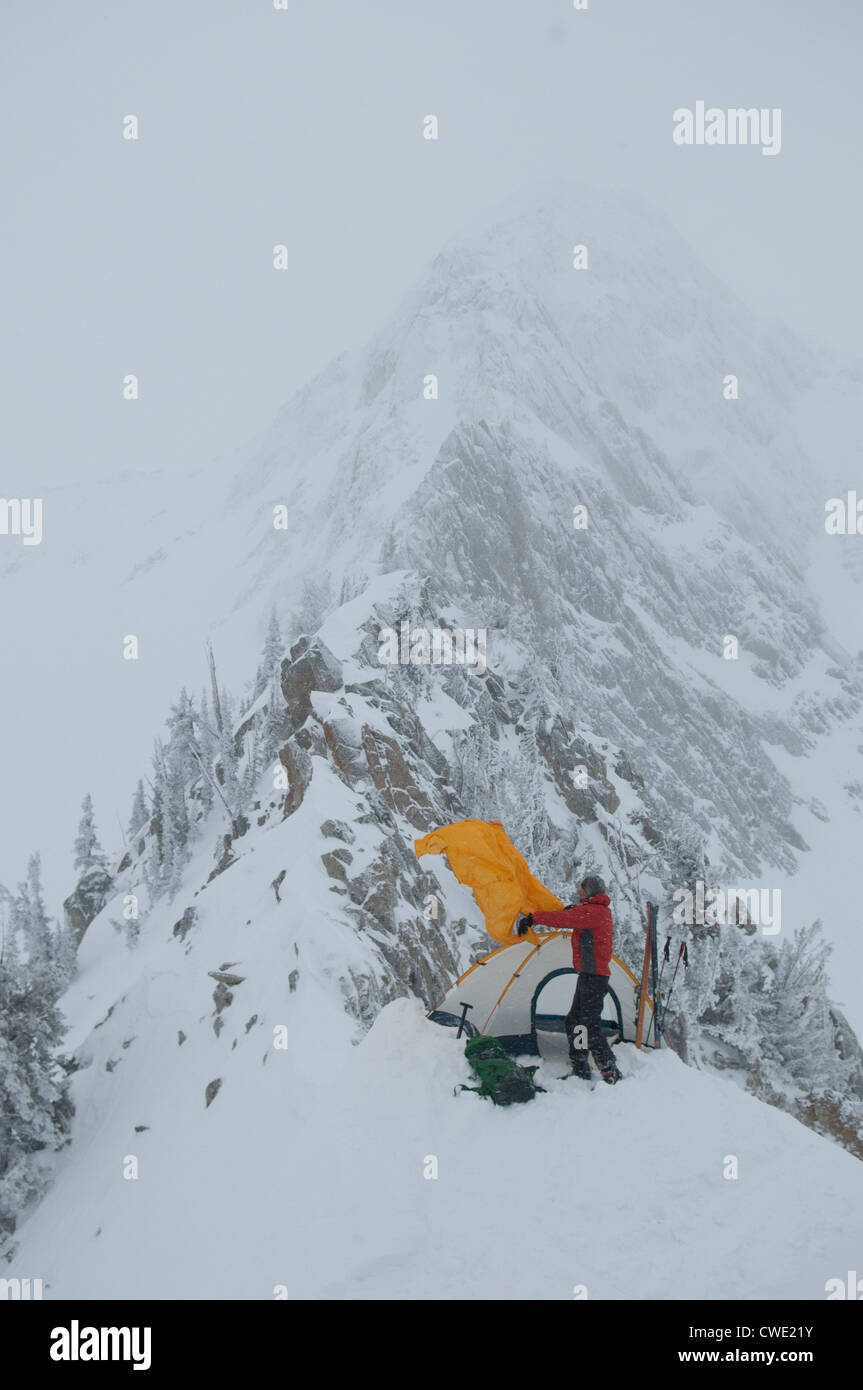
column 298, row 766
column 344, row 740
column 226, row 859
column 87, row 901
column 334, row 867
column 186, row 922
column 222, row 997
column 311, row 667
column 579, row 771
column 338, row 830
column 605, row 731
column 393, row 779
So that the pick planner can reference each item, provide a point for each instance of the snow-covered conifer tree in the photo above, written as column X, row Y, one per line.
column 140, row 816
column 34, row 1101
column 155, row 868
column 93, row 888
column 271, row 655
column 88, row 852
column 229, row 774
column 272, row 727
column 206, row 744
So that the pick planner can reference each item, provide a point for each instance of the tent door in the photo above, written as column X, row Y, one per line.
column 550, row 1005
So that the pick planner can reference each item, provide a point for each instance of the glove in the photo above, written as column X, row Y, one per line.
column 524, row 922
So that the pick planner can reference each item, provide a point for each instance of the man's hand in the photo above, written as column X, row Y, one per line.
column 524, row 922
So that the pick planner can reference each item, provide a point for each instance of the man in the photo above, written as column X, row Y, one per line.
column 592, row 931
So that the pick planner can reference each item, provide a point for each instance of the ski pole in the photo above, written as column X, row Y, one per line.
column 682, row 955
column 652, row 1023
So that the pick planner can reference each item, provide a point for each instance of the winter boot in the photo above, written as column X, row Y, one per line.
column 611, row 1074
column 580, row 1066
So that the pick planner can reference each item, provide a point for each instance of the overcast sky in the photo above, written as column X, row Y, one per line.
column 260, row 126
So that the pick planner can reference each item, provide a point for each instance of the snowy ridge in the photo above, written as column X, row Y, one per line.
column 605, row 653
column 330, row 1198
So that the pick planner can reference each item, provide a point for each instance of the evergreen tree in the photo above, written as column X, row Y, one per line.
column 228, row 770
column 792, row 1013
column 271, row 656
column 251, row 772
column 181, row 754
column 176, row 848
column 181, row 768
column 8, row 932
column 524, row 800
column 66, row 951
column 707, row 988
column 272, row 734
column 140, row 815
column 207, row 744
column 89, row 855
column 388, row 553
column 470, row 771
column 155, row 873
column 95, row 883
column 314, row 603
column 61, row 941
column 35, row 1108
column 33, row 922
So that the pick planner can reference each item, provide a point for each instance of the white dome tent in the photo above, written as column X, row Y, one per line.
column 502, row 992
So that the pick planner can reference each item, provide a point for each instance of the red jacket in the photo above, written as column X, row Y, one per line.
column 592, row 931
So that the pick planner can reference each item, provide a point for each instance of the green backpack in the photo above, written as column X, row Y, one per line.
column 499, row 1076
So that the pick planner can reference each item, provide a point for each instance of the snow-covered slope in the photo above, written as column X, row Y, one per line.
column 306, row 1176
column 232, row 1140
column 557, row 388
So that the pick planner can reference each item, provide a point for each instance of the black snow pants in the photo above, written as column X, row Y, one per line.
column 586, row 1013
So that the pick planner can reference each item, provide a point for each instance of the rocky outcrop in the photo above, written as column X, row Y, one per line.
column 86, row 902
column 344, row 741
column 393, row 779
column 225, row 978
column 226, row 859
column 338, row 830
column 332, row 862
column 312, row 666
column 298, row 767
column 185, row 924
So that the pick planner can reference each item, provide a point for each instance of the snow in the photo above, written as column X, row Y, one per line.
column 440, row 716
column 307, row 1168
column 341, row 630
column 307, row 1171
